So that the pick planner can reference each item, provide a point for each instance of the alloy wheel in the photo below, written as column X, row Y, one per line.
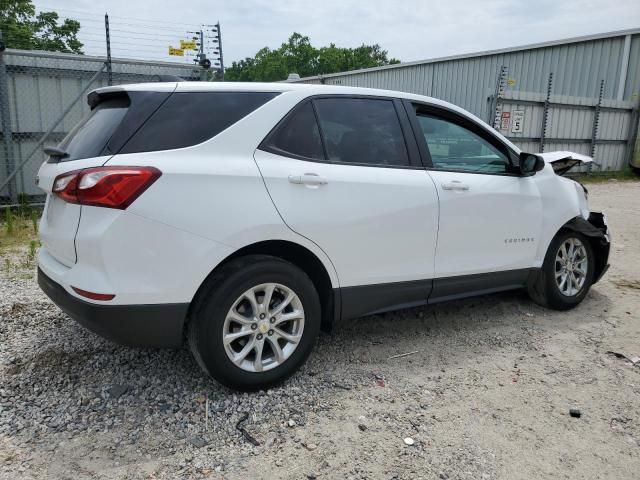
column 263, row 327
column 571, row 267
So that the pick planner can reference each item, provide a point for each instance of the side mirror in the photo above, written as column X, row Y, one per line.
column 530, row 163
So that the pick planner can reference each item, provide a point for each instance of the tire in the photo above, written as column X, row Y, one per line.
column 231, row 287
column 546, row 291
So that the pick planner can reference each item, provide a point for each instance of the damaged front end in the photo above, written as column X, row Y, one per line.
column 561, row 162
column 595, row 228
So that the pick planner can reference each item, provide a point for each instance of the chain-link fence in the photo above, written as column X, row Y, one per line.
column 43, row 95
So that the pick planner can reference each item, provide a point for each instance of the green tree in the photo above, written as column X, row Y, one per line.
column 25, row 29
column 297, row 55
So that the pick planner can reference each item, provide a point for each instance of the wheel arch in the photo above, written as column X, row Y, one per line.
column 299, row 256
column 596, row 231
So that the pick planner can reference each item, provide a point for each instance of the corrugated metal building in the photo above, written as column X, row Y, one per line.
column 589, row 105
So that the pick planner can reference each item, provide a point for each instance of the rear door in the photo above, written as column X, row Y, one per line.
column 340, row 173
column 114, row 117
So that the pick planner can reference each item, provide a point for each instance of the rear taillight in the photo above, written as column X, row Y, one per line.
column 111, row 187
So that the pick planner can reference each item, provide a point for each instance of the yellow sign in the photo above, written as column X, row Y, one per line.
column 188, row 45
column 511, row 82
column 178, row 52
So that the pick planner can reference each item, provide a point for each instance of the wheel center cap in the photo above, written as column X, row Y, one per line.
column 263, row 326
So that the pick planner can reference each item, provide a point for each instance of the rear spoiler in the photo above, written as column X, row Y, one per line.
column 99, row 94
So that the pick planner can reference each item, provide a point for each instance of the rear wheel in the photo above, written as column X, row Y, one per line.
column 255, row 322
column 567, row 272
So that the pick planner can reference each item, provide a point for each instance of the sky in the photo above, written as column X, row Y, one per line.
column 408, row 29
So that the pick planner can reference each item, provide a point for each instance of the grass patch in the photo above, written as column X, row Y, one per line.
column 600, row 177
column 19, row 240
column 18, row 229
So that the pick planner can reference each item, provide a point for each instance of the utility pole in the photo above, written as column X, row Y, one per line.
column 106, row 30
column 202, row 59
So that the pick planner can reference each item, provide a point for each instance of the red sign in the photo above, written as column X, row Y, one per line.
column 504, row 120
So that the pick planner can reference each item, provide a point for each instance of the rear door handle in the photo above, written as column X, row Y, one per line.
column 455, row 185
column 311, row 179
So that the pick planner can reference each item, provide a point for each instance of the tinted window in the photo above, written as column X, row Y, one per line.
column 361, row 130
column 90, row 136
column 187, row 119
column 298, row 134
column 453, row 147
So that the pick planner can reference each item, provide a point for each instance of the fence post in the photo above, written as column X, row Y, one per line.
column 496, row 106
column 545, row 112
column 633, row 144
column 596, row 123
column 5, row 124
column 108, row 38
column 220, row 50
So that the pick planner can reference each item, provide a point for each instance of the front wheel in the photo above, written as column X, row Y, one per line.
column 255, row 322
column 566, row 274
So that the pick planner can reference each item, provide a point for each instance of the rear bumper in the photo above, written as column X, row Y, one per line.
column 156, row 325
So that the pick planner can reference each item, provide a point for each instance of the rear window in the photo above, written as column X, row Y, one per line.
column 91, row 135
column 187, row 119
column 129, row 122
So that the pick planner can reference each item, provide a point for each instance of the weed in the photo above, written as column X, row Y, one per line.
column 9, row 223
column 33, row 246
column 23, row 205
column 34, row 221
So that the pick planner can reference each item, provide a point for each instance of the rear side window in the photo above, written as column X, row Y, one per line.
column 298, row 135
column 189, row 118
column 362, row 130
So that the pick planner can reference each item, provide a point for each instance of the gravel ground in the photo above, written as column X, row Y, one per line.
column 486, row 396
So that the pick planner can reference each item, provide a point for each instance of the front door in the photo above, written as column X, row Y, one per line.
column 490, row 217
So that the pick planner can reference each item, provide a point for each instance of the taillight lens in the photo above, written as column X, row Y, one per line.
column 111, row 187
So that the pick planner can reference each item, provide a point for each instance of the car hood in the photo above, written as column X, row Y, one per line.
column 562, row 162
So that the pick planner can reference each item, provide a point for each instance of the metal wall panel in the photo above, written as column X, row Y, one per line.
column 609, row 156
column 576, row 123
column 632, row 84
column 614, row 125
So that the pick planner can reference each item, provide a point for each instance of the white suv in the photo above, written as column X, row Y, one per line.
column 248, row 216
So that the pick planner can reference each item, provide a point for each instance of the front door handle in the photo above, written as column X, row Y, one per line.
column 455, row 185
column 310, row 179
